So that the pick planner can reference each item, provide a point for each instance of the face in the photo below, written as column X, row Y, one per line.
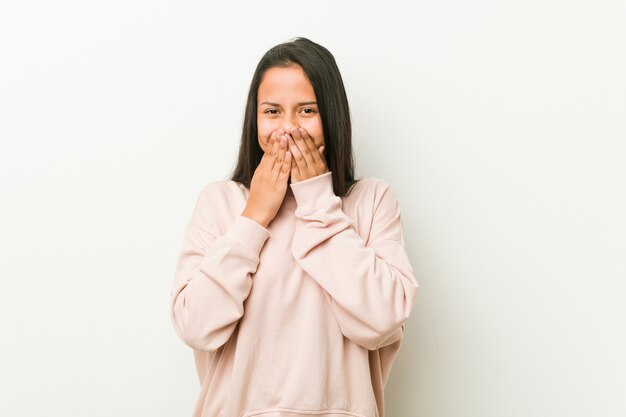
column 286, row 100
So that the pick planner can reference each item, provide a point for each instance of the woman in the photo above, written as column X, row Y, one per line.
column 293, row 285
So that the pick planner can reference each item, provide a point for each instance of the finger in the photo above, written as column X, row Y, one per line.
column 274, row 152
column 295, row 171
column 277, row 134
column 302, row 147
column 265, row 158
column 277, row 158
column 270, row 141
column 310, row 143
column 286, row 168
column 280, row 158
column 297, row 155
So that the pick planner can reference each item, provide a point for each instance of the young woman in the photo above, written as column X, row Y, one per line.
column 293, row 284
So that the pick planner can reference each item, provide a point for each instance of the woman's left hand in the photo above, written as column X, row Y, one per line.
column 307, row 161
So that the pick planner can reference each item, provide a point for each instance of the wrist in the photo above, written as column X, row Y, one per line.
column 262, row 220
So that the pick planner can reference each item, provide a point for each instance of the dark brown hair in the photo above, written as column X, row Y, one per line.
column 322, row 72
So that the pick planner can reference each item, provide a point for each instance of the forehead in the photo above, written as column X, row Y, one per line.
column 285, row 83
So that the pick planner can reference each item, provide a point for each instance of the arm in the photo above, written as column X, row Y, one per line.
column 213, row 277
column 370, row 284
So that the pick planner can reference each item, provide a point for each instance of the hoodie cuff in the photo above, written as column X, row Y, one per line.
column 249, row 234
column 314, row 191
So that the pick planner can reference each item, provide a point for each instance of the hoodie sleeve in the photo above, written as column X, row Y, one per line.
column 371, row 285
column 213, row 276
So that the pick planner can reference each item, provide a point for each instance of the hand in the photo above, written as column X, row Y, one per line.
column 269, row 182
column 307, row 160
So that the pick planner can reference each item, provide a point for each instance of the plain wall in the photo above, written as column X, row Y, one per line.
column 500, row 125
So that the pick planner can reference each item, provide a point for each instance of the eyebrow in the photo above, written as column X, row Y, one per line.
column 299, row 104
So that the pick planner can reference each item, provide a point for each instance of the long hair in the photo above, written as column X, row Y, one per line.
column 322, row 72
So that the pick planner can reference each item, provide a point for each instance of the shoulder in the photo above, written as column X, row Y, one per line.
column 371, row 188
column 373, row 204
column 222, row 189
column 372, row 197
column 216, row 202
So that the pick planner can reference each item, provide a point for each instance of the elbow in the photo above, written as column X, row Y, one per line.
column 200, row 325
column 198, row 338
column 199, row 334
column 396, row 335
column 387, row 325
column 373, row 338
column 374, row 329
column 203, row 344
column 378, row 340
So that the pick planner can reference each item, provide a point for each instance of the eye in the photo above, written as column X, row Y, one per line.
column 270, row 111
column 311, row 111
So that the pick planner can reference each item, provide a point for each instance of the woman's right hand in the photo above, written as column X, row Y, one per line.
column 269, row 182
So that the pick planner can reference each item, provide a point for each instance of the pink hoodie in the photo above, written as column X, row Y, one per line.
column 303, row 318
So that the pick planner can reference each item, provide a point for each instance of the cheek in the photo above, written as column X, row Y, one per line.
column 315, row 129
column 264, row 131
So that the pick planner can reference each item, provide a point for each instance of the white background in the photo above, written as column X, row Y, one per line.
column 500, row 125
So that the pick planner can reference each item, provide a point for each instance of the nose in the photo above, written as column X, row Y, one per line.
column 289, row 123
